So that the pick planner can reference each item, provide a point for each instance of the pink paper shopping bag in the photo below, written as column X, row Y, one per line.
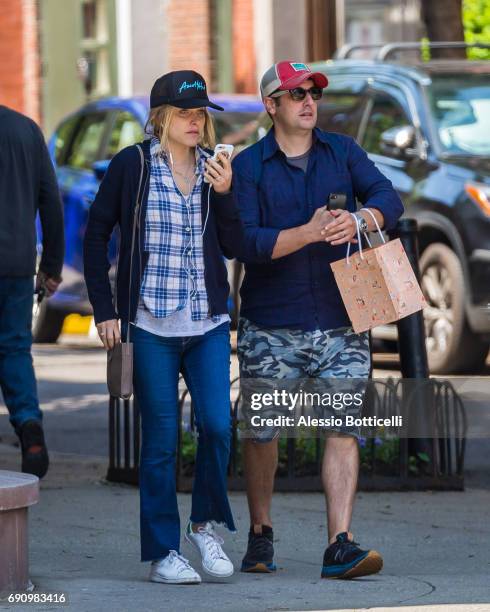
column 377, row 285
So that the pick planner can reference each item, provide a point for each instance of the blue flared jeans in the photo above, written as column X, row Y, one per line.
column 205, row 364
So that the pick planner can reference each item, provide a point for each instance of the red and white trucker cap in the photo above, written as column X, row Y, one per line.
column 288, row 75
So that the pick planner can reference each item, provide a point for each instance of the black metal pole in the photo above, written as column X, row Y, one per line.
column 411, row 331
column 412, row 349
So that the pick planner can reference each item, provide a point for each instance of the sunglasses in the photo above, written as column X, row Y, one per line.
column 299, row 93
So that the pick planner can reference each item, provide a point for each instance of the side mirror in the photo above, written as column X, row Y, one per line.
column 398, row 142
column 100, row 168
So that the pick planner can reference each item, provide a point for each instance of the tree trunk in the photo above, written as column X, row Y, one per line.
column 443, row 20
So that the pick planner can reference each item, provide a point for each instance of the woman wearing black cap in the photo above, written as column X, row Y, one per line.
column 171, row 296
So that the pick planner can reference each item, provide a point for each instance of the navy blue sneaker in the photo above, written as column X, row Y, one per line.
column 259, row 557
column 344, row 559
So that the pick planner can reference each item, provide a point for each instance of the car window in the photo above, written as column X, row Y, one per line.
column 341, row 112
column 385, row 113
column 63, row 137
column 236, row 128
column 460, row 108
column 126, row 131
column 88, row 138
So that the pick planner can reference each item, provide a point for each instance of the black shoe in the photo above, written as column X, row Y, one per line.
column 260, row 552
column 35, row 459
column 344, row 559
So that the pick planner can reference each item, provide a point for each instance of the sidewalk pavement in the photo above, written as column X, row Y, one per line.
column 84, row 542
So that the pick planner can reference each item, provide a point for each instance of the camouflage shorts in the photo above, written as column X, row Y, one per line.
column 294, row 354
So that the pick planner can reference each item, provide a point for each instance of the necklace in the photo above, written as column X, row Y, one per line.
column 189, row 171
column 188, row 178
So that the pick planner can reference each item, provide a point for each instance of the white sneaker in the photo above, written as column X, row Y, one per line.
column 174, row 569
column 208, row 543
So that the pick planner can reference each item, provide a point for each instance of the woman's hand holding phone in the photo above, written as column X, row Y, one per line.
column 218, row 172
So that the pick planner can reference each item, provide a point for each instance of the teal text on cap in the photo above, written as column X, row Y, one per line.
column 199, row 85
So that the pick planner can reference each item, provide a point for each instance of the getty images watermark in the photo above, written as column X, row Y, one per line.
column 340, row 402
column 374, row 408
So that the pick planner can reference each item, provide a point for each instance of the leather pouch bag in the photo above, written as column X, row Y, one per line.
column 120, row 370
column 120, row 358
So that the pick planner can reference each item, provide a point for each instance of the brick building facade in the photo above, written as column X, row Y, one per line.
column 190, row 30
column 169, row 35
column 244, row 61
column 188, row 40
column 129, row 43
column 20, row 66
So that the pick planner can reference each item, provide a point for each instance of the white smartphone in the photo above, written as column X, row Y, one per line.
column 222, row 148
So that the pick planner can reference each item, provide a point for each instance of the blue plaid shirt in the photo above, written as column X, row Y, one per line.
column 173, row 238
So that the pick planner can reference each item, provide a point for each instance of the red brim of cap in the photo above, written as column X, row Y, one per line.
column 318, row 78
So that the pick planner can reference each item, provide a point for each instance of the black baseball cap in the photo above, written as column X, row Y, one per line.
column 181, row 88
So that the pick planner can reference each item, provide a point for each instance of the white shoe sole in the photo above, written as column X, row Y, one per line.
column 157, row 578
column 208, row 571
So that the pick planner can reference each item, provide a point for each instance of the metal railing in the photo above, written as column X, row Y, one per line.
column 444, row 472
column 124, row 440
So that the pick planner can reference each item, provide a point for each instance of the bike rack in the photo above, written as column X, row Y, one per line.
column 448, row 445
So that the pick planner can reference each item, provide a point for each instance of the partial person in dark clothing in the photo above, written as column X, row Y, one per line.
column 27, row 186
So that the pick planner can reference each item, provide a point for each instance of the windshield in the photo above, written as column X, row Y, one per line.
column 460, row 107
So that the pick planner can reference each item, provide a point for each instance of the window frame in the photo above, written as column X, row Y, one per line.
column 112, row 118
column 376, row 90
column 82, row 118
column 343, row 85
column 71, row 137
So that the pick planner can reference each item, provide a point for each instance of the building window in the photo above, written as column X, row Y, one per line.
column 94, row 63
column 221, row 45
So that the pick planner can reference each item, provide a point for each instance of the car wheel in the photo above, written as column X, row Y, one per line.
column 451, row 346
column 47, row 323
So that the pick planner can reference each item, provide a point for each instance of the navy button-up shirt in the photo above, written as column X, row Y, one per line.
column 298, row 291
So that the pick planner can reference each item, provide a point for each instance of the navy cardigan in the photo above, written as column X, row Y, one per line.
column 115, row 205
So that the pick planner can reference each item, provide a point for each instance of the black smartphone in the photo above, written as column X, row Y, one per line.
column 337, row 201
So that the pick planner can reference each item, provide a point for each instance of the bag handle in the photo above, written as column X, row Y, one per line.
column 359, row 237
column 368, row 210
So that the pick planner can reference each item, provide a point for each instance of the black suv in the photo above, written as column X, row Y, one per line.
column 427, row 128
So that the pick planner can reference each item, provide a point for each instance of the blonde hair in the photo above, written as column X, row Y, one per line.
column 160, row 119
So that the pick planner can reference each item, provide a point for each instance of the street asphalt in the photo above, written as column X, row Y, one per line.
column 84, row 532
column 84, row 542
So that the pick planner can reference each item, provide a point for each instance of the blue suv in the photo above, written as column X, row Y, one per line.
column 81, row 148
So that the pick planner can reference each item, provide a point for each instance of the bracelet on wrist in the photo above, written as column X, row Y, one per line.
column 361, row 223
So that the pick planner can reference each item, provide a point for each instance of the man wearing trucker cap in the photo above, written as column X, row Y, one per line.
column 293, row 323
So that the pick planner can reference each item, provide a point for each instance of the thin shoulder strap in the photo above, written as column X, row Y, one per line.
column 135, row 218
